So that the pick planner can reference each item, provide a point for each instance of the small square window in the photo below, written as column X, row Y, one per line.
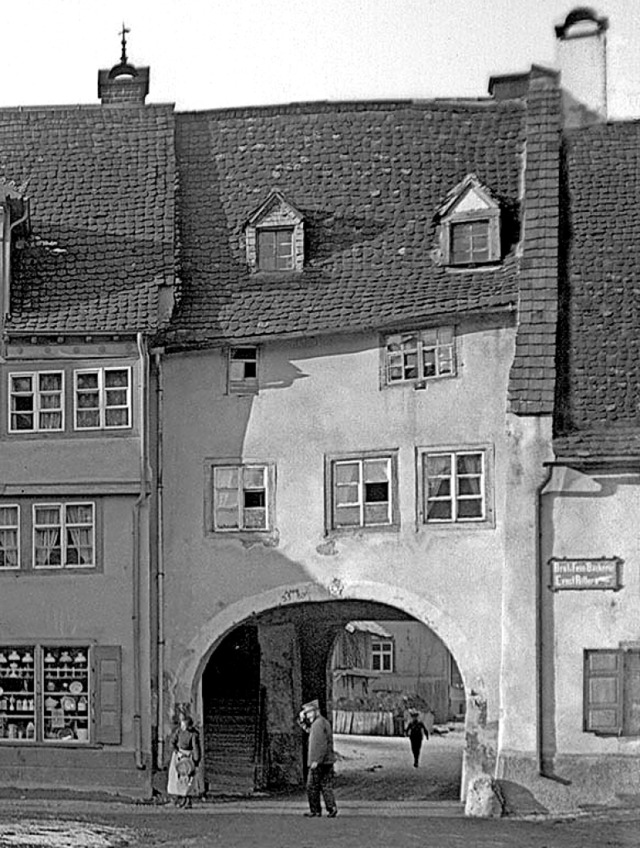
column 470, row 243
column 102, row 399
column 454, row 487
column 242, row 498
column 36, row 402
column 363, row 491
column 275, row 249
column 243, row 370
column 64, row 535
column 414, row 357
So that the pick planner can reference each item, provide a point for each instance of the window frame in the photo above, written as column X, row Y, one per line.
column 276, row 231
column 422, row 347
column 102, row 391
column 17, row 527
column 487, row 520
column 269, row 479
column 246, row 385
column 332, row 461
column 64, row 526
column 381, row 648
column 36, row 393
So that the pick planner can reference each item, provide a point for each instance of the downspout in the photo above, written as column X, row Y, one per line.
column 540, row 587
column 160, row 554
column 137, row 536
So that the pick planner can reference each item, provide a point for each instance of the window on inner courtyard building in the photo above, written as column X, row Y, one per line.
column 363, row 491
column 611, row 692
column 102, row 398
column 382, row 656
column 243, row 370
column 420, row 355
column 454, row 486
column 52, row 693
column 36, row 401
column 242, row 497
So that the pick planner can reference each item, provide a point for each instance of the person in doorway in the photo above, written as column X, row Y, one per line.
column 416, row 731
column 184, row 781
column 320, row 758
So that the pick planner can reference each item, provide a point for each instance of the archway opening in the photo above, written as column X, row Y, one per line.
column 368, row 664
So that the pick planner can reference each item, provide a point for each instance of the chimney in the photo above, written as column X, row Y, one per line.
column 124, row 84
column 581, row 55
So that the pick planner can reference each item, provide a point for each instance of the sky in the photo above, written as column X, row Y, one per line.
column 208, row 54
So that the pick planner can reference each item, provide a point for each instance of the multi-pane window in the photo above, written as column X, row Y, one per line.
column 102, row 398
column 382, row 656
column 454, row 486
column 275, row 249
column 60, row 693
column 241, row 497
column 362, row 492
column 36, row 402
column 9, row 536
column 64, row 535
column 415, row 356
column 243, row 369
column 470, row 242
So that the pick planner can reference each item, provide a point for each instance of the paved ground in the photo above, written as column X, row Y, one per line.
column 383, row 802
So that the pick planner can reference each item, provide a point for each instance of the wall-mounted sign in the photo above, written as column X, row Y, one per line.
column 601, row 573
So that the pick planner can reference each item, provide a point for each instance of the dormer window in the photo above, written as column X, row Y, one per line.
column 274, row 236
column 469, row 226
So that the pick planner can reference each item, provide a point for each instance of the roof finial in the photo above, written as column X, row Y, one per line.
column 123, row 41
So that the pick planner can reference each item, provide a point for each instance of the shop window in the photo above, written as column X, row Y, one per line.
column 243, row 497
column 454, row 487
column 362, row 491
column 382, row 656
column 102, row 398
column 612, row 692
column 243, row 370
column 412, row 358
column 60, row 694
column 36, row 402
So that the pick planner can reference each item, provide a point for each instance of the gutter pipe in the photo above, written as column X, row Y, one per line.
column 160, row 556
column 540, row 586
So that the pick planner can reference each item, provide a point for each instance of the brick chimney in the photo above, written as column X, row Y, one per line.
column 581, row 55
column 124, row 84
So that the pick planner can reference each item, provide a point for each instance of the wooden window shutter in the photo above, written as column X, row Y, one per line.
column 603, row 677
column 107, row 694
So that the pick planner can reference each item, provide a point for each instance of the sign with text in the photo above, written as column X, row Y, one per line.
column 602, row 573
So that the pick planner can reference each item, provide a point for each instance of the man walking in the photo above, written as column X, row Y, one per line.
column 320, row 758
column 415, row 731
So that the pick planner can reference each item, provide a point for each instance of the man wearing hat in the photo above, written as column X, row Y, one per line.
column 415, row 730
column 320, row 758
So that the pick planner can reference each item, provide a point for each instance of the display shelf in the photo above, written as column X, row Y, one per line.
column 65, row 694
column 17, row 693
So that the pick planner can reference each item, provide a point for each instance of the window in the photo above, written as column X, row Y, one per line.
column 417, row 356
column 241, row 497
column 611, row 701
column 102, row 398
column 363, row 491
column 60, row 694
column 454, row 486
column 63, row 535
column 36, row 401
column 243, row 370
column 275, row 250
column 9, row 536
column 469, row 243
column 382, row 656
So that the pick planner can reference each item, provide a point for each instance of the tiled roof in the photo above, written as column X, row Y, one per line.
column 368, row 178
column 599, row 328
column 101, row 184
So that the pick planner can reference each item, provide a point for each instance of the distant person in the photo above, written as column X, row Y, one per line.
column 184, row 781
column 416, row 730
column 320, row 758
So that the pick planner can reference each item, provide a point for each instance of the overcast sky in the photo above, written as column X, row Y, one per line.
column 206, row 54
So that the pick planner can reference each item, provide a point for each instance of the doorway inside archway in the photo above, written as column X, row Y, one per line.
column 361, row 660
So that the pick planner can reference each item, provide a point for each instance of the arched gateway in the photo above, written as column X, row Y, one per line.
column 249, row 667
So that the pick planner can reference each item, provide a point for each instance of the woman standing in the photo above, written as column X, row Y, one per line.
column 184, row 778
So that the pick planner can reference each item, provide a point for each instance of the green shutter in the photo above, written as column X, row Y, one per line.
column 107, row 691
column 603, row 676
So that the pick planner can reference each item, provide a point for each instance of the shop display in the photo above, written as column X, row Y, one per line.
column 17, row 693
column 66, row 683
